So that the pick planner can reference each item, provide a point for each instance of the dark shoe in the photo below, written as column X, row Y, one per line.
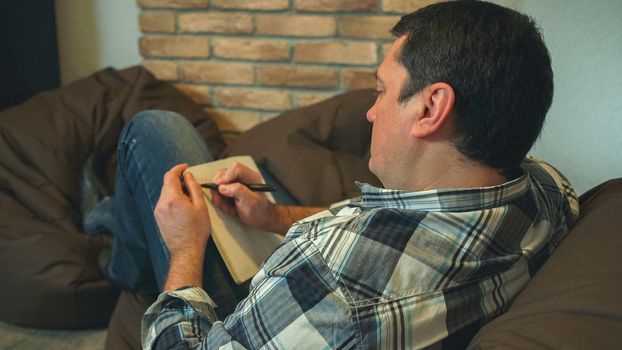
column 94, row 185
column 101, row 219
column 103, row 260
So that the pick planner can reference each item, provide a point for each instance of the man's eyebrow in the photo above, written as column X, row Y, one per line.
column 378, row 79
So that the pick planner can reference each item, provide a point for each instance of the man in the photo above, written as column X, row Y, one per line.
column 460, row 226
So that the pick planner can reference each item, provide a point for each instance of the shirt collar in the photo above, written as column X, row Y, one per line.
column 467, row 199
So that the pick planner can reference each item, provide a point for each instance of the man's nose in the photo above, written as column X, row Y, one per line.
column 371, row 114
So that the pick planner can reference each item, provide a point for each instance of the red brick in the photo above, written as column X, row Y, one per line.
column 335, row 5
column 174, row 46
column 218, row 72
column 260, row 5
column 358, row 79
column 178, row 4
column 297, row 76
column 253, row 98
column 405, row 6
column 216, row 22
column 157, row 22
column 163, row 70
column 348, row 52
column 198, row 93
column 251, row 49
column 367, row 26
column 296, row 25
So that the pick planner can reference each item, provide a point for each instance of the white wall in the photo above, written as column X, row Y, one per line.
column 93, row 34
column 583, row 133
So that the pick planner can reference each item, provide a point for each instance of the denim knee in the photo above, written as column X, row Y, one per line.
column 165, row 132
column 155, row 122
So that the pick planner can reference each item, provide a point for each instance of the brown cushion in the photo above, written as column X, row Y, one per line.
column 316, row 152
column 48, row 268
column 574, row 301
column 124, row 328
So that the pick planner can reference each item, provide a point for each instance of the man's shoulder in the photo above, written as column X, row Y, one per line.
column 555, row 188
column 544, row 173
column 354, row 243
column 339, row 223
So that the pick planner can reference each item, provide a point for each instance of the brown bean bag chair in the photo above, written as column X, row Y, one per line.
column 573, row 302
column 48, row 267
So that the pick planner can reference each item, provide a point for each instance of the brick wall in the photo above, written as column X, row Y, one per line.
column 249, row 60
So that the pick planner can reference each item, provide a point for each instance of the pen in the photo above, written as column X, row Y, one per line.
column 252, row 187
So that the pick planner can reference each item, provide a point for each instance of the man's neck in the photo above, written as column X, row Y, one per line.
column 458, row 177
column 453, row 170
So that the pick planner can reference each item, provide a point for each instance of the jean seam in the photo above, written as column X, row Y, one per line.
column 149, row 198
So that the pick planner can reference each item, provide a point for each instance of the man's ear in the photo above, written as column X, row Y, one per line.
column 438, row 103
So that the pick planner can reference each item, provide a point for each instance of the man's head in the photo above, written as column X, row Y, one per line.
column 496, row 69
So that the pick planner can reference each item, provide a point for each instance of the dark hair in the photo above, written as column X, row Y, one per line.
column 496, row 61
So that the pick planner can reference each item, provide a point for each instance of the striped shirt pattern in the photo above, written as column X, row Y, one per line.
column 389, row 270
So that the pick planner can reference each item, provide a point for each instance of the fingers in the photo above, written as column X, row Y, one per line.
column 237, row 173
column 194, row 189
column 172, row 182
column 235, row 198
column 225, row 204
column 236, row 191
column 220, row 176
column 239, row 193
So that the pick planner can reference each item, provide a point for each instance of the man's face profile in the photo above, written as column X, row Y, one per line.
column 391, row 142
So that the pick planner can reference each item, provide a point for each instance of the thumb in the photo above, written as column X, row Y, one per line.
column 237, row 191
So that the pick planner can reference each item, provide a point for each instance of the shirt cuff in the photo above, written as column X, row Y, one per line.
column 170, row 308
column 194, row 296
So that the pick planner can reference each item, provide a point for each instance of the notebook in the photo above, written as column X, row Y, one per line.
column 242, row 248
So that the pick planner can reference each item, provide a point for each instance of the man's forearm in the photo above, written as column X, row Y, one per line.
column 286, row 215
column 185, row 269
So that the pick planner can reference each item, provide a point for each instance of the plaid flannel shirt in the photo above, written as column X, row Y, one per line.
column 390, row 270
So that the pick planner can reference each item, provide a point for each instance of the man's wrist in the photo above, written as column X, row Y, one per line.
column 285, row 216
column 185, row 269
column 275, row 221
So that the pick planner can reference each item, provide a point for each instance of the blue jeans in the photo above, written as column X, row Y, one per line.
column 150, row 144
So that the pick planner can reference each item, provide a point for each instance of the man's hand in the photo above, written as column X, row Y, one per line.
column 252, row 208
column 185, row 227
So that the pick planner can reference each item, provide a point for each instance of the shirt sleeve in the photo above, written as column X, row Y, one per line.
column 294, row 302
column 180, row 317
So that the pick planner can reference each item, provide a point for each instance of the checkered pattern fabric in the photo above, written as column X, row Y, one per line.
column 389, row 270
